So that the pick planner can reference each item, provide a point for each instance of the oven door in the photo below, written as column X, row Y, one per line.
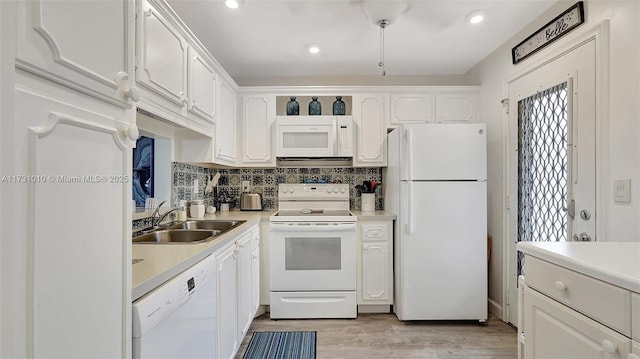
column 312, row 256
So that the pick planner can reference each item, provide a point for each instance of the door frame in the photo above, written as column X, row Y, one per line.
column 600, row 35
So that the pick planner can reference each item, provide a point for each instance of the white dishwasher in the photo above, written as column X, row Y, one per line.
column 178, row 319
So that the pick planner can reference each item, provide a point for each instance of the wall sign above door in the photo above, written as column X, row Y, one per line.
column 556, row 28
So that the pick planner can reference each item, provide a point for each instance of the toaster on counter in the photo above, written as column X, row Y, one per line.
column 250, row 202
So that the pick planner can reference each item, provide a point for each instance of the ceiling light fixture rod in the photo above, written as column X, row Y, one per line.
column 382, row 23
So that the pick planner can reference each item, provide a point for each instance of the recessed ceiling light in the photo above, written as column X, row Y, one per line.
column 476, row 17
column 314, row 49
column 232, row 4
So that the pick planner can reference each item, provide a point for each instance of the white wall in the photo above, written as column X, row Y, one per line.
column 621, row 221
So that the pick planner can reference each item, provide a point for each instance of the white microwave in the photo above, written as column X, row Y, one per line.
column 314, row 136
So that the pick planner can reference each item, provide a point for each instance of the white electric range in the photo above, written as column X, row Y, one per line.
column 313, row 253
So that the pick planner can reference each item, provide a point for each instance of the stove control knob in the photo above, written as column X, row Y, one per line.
column 342, row 190
column 284, row 190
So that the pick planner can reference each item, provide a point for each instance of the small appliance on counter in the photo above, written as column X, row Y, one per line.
column 250, row 201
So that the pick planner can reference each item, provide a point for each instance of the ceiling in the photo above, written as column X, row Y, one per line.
column 270, row 38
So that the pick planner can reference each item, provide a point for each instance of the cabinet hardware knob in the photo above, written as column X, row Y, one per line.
column 133, row 93
column 132, row 132
column 365, row 247
column 559, row 285
column 609, row 347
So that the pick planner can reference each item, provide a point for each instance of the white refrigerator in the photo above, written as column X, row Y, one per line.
column 436, row 184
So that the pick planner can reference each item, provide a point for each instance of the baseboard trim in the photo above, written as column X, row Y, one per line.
column 374, row 308
column 496, row 309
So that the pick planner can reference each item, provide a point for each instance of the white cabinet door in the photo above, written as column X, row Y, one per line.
column 161, row 59
column 226, row 126
column 255, row 271
column 375, row 281
column 203, row 86
column 226, row 259
column 553, row 330
column 258, row 116
column 85, row 45
column 456, row 108
column 265, row 284
column 412, row 108
column 244, row 284
column 73, row 216
column 370, row 112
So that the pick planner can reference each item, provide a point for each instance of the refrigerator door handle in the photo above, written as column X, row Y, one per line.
column 409, row 224
column 409, row 154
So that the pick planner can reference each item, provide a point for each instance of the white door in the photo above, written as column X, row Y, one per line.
column 552, row 112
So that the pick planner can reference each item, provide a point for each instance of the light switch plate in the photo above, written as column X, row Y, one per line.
column 195, row 186
column 622, row 191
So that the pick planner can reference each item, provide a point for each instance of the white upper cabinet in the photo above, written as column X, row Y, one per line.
column 203, row 86
column 60, row 41
column 456, row 107
column 226, row 127
column 412, row 108
column 161, row 61
column 370, row 113
column 257, row 130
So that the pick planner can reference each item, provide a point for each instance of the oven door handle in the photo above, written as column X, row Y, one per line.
column 298, row 227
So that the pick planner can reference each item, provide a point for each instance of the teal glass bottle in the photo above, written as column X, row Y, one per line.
column 339, row 107
column 315, row 108
column 293, row 108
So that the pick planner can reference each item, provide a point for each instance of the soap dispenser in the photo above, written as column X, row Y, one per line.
column 182, row 211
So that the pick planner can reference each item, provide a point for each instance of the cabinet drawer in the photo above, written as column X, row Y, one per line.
column 635, row 316
column 601, row 301
column 375, row 232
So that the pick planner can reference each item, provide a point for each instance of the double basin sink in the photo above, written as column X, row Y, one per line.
column 198, row 231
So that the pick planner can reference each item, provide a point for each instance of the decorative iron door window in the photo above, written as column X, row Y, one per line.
column 543, row 167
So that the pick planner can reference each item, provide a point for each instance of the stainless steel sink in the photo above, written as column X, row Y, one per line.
column 187, row 232
column 219, row 225
column 176, row 236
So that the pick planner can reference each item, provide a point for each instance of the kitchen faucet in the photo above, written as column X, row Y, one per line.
column 157, row 218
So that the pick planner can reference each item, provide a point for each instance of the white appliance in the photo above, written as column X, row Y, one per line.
column 313, row 253
column 178, row 319
column 436, row 183
column 314, row 136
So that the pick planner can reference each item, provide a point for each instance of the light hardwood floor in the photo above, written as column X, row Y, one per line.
column 384, row 336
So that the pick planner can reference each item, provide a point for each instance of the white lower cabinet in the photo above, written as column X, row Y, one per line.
column 375, row 264
column 553, row 330
column 265, row 284
column 238, row 287
column 570, row 315
column 227, row 277
column 255, row 271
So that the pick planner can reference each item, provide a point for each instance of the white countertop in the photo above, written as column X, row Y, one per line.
column 161, row 262
column 374, row 216
column 615, row 262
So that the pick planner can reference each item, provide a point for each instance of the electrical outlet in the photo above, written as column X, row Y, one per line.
column 246, row 186
column 195, row 186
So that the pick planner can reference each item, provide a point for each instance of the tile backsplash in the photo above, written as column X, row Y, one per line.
column 265, row 181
